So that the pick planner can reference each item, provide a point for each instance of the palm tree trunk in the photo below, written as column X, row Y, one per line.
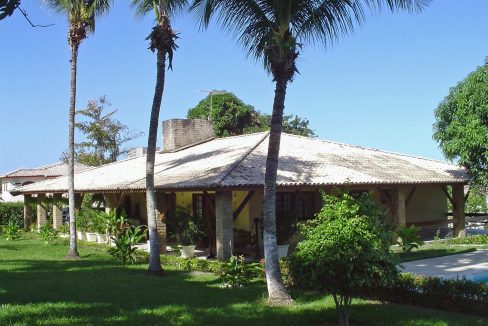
column 73, row 247
column 154, row 259
column 276, row 290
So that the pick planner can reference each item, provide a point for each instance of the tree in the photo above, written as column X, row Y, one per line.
column 162, row 39
column 231, row 116
column 275, row 31
column 461, row 126
column 7, row 7
column 346, row 248
column 81, row 17
column 105, row 135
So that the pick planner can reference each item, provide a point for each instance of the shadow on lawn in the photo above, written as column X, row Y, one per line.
column 99, row 292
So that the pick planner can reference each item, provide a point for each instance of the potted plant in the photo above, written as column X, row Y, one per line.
column 64, row 230
column 285, row 228
column 188, row 238
column 101, row 227
column 82, row 222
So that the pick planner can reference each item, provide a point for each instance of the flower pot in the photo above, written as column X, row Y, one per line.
column 283, row 251
column 80, row 235
column 91, row 236
column 64, row 235
column 101, row 238
column 188, row 251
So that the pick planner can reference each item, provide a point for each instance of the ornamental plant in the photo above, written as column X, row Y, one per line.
column 11, row 230
column 47, row 234
column 124, row 242
column 237, row 273
column 408, row 238
column 346, row 248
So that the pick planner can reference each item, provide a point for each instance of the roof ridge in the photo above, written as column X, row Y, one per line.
column 234, row 165
column 370, row 149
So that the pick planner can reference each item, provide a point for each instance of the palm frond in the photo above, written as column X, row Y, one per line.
column 171, row 7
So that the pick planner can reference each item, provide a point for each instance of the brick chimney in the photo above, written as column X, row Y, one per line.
column 178, row 133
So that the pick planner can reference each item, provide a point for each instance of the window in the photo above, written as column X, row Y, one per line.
column 299, row 204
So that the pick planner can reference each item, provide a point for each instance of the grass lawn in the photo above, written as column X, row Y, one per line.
column 39, row 287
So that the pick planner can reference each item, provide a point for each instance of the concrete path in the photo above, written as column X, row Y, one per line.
column 472, row 265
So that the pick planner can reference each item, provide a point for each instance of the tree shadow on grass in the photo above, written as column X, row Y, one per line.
column 99, row 292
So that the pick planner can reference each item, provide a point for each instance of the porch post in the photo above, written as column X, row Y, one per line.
column 161, row 220
column 57, row 215
column 398, row 205
column 458, row 210
column 224, row 224
column 110, row 201
column 41, row 211
column 27, row 211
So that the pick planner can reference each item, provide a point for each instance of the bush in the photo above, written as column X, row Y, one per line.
column 237, row 273
column 192, row 264
column 346, row 247
column 409, row 238
column 47, row 234
column 124, row 241
column 453, row 295
column 11, row 230
column 12, row 211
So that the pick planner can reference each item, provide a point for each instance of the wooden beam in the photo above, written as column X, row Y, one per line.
column 444, row 189
column 243, row 204
column 385, row 196
column 467, row 194
column 410, row 195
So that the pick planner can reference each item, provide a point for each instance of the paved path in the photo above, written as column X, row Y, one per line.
column 471, row 265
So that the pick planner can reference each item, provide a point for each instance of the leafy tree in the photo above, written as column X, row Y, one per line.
column 162, row 39
column 461, row 126
column 231, row 116
column 275, row 31
column 105, row 135
column 81, row 17
column 346, row 248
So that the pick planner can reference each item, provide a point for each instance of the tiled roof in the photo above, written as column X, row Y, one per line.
column 239, row 161
column 47, row 171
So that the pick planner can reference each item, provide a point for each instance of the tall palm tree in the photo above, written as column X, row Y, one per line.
column 162, row 39
column 81, row 22
column 275, row 31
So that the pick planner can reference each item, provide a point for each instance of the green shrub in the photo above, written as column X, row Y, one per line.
column 190, row 234
column 237, row 273
column 346, row 247
column 472, row 239
column 431, row 292
column 11, row 230
column 124, row 241
column 47, row 234
column 409, row 238
column 192, row 264
column 12, row 211
column 64, row 228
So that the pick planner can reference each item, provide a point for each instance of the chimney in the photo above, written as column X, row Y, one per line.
column 179, row 133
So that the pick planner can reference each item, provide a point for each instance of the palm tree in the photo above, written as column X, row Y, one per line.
column 162, row 39
column 275, row 31
column 81, row 19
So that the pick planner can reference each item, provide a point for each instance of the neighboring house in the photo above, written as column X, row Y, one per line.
column 222, row 179
column 23, row 177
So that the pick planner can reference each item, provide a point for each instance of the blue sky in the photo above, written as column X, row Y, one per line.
column 376, row 88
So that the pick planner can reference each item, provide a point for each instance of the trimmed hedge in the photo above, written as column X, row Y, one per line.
column 454, row 295
column 13, row 211
column 472, row 239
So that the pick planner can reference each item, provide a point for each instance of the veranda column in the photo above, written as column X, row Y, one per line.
column 224, row 224
column 110, row 201
column 161, row 220
column 41, row 211
column 400, row 203
column 57, row 215
column 458, row 210
column 27, row 211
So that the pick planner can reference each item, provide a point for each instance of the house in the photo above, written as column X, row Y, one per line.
column 223, row 179
column 22, row 177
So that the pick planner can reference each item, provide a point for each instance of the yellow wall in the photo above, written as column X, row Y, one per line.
column 428, row 203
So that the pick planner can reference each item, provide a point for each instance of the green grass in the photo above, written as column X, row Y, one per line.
column 39, row 287
column 432, row 251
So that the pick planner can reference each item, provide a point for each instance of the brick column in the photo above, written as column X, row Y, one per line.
column 110, row 201
column 224, row 224
column 458, row 210
column 41, row 211
column 57, row 215
column 27, row 211
column 161, row 221
column 399, row 200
